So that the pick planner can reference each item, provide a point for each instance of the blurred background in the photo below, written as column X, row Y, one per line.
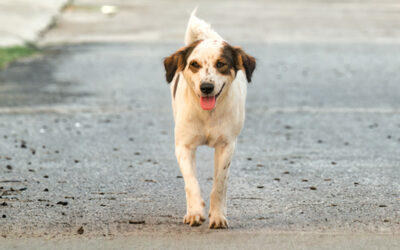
column 86, row 128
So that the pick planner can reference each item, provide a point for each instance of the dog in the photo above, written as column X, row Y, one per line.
column 209, row 84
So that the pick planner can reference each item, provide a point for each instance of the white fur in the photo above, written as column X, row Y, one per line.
column 217, row 128
column 197, row 29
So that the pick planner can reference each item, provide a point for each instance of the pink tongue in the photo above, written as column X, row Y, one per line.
column 207, row 103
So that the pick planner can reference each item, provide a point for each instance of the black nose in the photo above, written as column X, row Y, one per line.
column 207, row 88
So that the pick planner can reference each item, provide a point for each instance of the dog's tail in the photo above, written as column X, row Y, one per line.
column 197, row 29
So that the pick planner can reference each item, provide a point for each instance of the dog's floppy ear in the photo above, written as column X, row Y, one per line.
column 246, row 62
column 173, row 63
column 177, row 61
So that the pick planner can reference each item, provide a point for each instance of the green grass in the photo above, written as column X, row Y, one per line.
column 10, row 54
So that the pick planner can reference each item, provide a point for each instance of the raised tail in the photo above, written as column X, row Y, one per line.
column 198, row 29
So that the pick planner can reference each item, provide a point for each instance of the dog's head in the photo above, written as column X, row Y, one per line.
column 209, row 66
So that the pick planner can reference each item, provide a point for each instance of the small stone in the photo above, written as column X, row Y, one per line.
column 63, row 203
column 80, row 230
column 137, row 222
column 375, row 125
column 260, row 186
column 313, row 188
column 9, row 167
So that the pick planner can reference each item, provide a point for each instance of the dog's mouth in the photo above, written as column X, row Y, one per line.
column 208, row 102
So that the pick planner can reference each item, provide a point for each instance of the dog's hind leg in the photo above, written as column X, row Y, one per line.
column 222, row 161
column 195, row 204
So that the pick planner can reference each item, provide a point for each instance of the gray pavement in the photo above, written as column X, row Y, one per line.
column 216, row 240
column 86, row 147
column 103, row 142
column 267, row 21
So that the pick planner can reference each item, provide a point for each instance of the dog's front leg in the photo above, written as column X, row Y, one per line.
column 195, row 204
column 222, row 161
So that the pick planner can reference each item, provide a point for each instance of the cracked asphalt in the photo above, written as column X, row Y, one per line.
column 86, row 149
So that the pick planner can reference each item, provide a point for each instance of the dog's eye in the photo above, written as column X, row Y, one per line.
column 220, row 64
column 195, row 65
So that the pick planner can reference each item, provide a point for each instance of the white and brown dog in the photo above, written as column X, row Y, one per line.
column 209, row 88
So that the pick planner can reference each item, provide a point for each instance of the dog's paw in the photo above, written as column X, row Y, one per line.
column 194, row 220
column 218, row 221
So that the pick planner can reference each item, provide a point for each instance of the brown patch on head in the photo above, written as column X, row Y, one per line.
column 177, row 61
column 235, row 58
column 228, row 60
column 194, row 66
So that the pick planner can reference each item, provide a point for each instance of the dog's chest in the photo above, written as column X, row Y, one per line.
column 220, row 130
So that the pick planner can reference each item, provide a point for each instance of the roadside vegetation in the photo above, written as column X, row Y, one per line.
column 11, row 54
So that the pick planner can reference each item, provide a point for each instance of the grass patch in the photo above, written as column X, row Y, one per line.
column 10, row 54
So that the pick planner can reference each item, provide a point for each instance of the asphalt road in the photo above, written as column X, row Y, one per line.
column 86, row 140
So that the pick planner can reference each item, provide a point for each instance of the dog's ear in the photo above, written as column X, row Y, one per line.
column 173, row 63
column 246, row 62
column 177, row 61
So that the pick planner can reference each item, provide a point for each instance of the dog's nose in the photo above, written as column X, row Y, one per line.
column 206, row 87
